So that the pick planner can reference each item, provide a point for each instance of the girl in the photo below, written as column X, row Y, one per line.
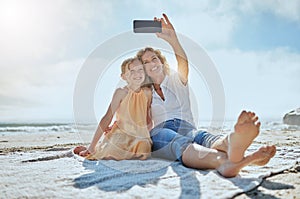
column 128, row 138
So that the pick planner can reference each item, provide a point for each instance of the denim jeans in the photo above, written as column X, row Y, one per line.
column 172, row 137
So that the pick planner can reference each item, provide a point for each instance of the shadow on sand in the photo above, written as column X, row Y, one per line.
column 118, row 176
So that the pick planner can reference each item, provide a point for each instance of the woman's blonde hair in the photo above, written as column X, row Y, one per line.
column 166, row 67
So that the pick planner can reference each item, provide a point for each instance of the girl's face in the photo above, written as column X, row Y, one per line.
column 152, row 63
column 135, row 74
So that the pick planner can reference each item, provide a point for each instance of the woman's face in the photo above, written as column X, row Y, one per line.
column 152, row 63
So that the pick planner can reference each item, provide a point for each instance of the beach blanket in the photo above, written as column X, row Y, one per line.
column 160, row 178
column 29, row 174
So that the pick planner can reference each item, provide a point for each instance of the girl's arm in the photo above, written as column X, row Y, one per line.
column 168, row 34
column 105, row 121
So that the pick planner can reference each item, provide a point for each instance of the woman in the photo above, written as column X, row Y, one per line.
column 174, row 135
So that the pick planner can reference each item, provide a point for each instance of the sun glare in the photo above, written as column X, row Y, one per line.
column 12, row 14
column 18, row 18
column 22, row 28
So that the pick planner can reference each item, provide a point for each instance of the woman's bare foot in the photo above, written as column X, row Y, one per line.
column 245, row 131
column 260, row 157
column 78, row 149
column 269, row 152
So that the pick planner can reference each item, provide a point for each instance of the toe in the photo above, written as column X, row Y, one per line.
column 251, row 115
column 243, row 117
column 255, row 118
column 258, row 124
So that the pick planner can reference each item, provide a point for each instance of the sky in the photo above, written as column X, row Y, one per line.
column 254, row 45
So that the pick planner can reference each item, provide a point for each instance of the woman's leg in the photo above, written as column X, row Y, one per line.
column 199, row 157
column 245, row 131
column 168, row 144
column 206, row 139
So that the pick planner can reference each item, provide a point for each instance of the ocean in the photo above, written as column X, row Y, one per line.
column 31, row 128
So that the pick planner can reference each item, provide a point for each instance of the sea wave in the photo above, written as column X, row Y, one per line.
column 42, row 128
column 73, row 128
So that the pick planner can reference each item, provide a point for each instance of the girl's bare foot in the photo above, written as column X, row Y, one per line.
column 78, row 149
column 260, row 157
column 245, row 131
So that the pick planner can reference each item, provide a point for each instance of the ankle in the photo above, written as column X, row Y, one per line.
column 228, row 169
column 221, row 144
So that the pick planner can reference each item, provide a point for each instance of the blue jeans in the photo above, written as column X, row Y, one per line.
column 172, row 137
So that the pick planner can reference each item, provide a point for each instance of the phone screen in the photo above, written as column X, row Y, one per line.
column 146, row 26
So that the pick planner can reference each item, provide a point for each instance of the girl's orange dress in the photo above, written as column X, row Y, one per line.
column 129, row 137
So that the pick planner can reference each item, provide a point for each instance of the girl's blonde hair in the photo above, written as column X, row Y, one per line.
column 166, row 67
column 125, row 64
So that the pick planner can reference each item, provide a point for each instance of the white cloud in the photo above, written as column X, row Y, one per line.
column 206, row 22
column 212, row 23
column 39, row 47
column 41, row 92
column 265, row 81
column 286, row 9
column 208, row 29
column 33, row 30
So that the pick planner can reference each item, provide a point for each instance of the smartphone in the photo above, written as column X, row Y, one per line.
column 146, row 26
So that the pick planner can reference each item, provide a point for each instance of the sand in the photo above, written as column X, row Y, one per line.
column 285, row 184
column 31, row 161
